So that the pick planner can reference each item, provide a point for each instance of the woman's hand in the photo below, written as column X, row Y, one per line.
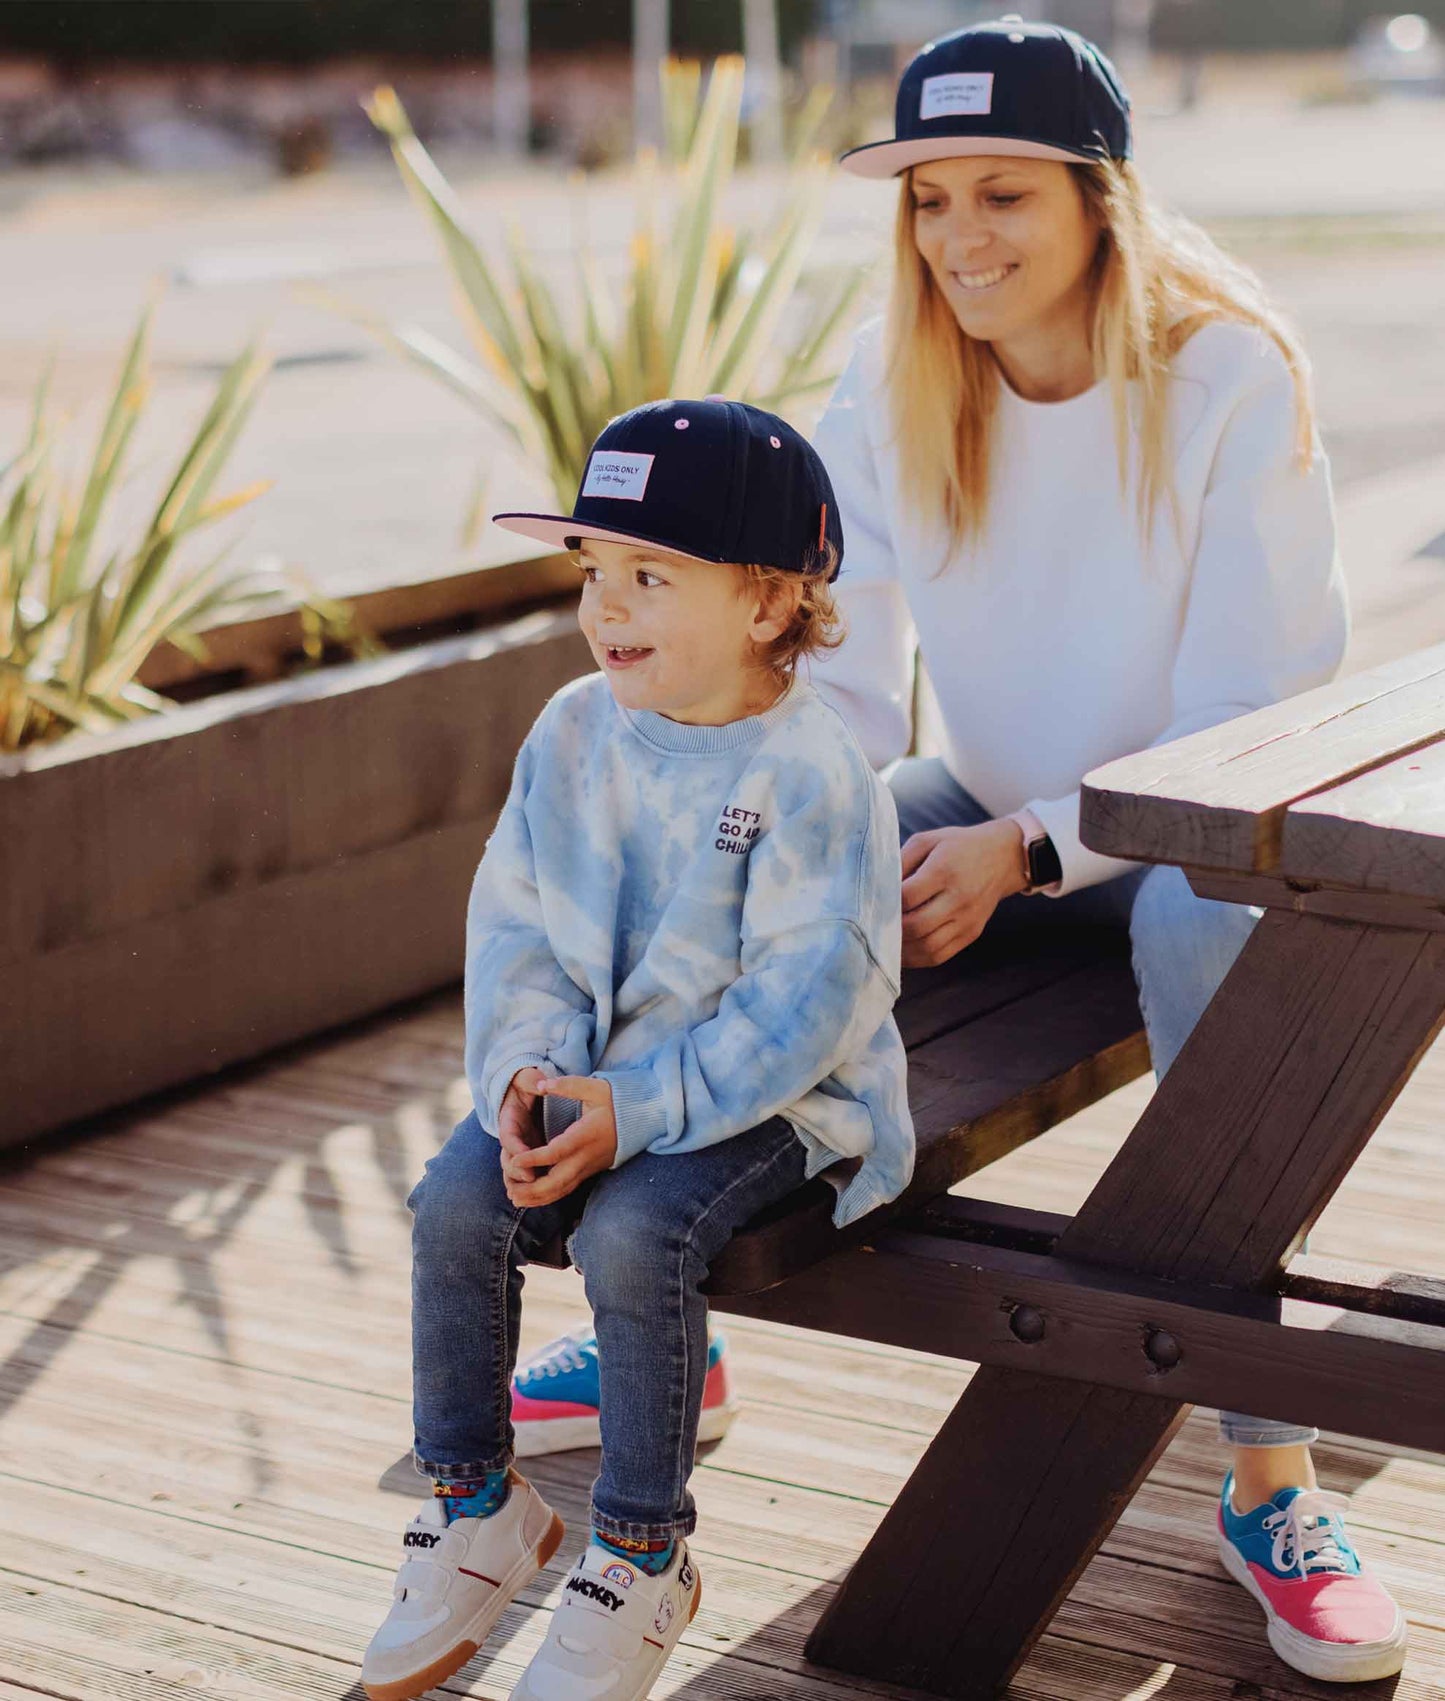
column 953, row 880
column 587, row 1148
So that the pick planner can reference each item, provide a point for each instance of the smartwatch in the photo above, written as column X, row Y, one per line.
column 1041, row 857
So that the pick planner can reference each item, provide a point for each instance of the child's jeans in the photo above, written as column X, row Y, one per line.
column 1183, row 946
column 643, row 1237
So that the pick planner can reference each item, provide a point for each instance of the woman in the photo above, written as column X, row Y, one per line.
column 1077, row 469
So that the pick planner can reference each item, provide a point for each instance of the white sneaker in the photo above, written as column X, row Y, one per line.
column 456, row 1580
column 613, row 1629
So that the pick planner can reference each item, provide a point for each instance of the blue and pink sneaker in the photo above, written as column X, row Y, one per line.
column 555, row 1396
column 1328, row 1617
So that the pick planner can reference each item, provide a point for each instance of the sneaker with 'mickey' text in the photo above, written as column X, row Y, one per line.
column 613, row 1629
column 456, row 1580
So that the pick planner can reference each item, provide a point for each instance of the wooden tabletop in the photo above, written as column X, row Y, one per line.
column 1341, row 787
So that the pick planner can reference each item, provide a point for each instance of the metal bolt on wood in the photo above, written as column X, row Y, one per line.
column 1163, row 1349
column 1027, row 1323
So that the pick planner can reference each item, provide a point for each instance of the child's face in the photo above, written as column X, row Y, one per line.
column 674, row 635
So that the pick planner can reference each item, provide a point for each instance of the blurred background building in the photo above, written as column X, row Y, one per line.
column 183, row 83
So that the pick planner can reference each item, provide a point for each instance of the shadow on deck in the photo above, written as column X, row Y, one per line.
column 204, row 1405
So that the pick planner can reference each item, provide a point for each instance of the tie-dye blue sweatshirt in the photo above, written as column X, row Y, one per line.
column 706, row 917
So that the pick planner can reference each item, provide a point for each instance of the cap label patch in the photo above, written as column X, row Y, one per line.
column 621, row 476
column 962, row 94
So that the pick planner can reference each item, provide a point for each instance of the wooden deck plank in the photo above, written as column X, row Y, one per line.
column 85, row 1656
column 743, row 1611
column 202, row 1550
column 121, row 1649
column 322, row 1604
column 164, row 1402
column 267, row 1417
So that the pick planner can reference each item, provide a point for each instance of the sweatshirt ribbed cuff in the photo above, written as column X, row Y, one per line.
column 638, row 1108
column 500, row 1079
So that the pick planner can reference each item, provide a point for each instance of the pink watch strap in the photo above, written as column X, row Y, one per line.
column 1032, row 828
column 1030, row 824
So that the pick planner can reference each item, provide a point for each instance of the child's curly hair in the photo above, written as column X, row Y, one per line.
column 816, row 624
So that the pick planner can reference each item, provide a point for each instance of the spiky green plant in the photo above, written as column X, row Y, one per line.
column 79, row 617
column 700, row 307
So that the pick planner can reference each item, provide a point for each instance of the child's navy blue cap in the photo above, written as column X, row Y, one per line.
column 714, row 480
column 1038, row 91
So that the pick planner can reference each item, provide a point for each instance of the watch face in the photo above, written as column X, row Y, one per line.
column 1044, row 865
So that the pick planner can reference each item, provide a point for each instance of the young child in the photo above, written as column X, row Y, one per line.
column 683, row 952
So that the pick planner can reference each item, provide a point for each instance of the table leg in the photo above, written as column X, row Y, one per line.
column 1304, row 1048
column 936, row 1602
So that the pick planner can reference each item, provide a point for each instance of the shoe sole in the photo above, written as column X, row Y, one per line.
column 1328, row 1662
column 562, row 1435
column 446, row 1665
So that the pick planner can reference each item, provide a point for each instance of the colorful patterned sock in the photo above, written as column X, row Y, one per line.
column 650, row 1557
column 474, row 1497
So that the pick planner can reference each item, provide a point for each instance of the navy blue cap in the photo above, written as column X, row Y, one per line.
column 715, row 480
column 1036, row 91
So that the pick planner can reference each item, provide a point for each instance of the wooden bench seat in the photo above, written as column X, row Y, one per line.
column 1013, row 1035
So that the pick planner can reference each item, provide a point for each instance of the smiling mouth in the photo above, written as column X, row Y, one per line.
column 976, row 281
column 626, row 655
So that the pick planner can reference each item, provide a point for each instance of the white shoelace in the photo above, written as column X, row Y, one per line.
column 1306, row 1536
column 565, row 1353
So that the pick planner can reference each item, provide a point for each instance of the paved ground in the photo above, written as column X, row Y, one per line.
column 1341, row 207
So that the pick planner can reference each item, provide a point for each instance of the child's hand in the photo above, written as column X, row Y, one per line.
column 544, row 1174
column 519, row 1120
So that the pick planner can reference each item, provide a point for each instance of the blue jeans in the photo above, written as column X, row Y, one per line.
column 643, row 1237
column 1182, row 945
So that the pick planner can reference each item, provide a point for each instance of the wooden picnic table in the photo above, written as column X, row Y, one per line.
column 1170, row 1285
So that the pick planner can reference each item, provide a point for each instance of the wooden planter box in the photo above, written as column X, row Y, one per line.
column 268, row 646
column 254, row 867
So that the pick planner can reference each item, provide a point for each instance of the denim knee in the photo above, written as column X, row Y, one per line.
column 461, row 1199
column 625, row 1250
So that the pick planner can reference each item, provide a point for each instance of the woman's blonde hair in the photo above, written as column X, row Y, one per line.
column 1156, row 279
column 814, row 624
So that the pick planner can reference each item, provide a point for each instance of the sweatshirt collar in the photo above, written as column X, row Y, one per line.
column 664, row 734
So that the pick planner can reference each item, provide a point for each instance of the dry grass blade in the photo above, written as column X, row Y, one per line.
column 703, row 306
column 487, row 306
column 143, row 585
column 73, row 635
column 71, row 548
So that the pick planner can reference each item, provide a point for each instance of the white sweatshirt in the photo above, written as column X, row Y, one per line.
column 1057, row 642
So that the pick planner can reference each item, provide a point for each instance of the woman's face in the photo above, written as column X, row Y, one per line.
column 1008, row 241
